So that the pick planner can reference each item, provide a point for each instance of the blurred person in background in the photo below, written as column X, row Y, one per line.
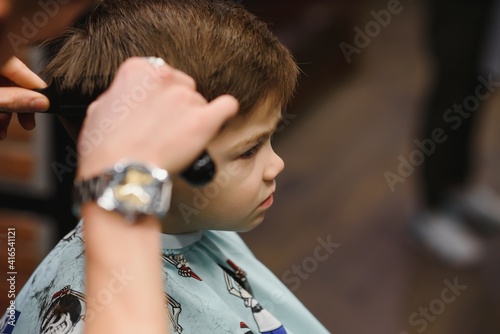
column 458, row 33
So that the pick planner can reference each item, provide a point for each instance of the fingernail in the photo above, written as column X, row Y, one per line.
column 30, row 125
column 39, row 104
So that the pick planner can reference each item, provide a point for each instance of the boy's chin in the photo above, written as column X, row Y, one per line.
column 172, row 226
column 250, row 225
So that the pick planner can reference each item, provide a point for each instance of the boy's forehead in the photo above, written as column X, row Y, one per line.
column 267, row 112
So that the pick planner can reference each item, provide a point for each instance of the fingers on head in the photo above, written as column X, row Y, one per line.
column 217, row 112
column 224, row 106
column 134, row 69
column 184, row 79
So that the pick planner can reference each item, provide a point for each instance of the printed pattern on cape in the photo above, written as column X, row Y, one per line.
column 205, row 291
column 238, row 286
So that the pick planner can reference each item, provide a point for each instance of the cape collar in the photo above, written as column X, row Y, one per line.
column 178, row 241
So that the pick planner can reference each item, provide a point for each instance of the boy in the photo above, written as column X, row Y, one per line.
column 213, row 283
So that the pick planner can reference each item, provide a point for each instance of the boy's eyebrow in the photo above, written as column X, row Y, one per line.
column 258, row 137
column 252, row 140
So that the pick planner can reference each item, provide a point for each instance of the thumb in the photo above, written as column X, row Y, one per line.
column 16, row 99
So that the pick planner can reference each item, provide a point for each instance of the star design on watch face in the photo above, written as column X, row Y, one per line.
column 133, row 194
column 132, row 190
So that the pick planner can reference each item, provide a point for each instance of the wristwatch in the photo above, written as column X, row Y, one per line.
column 132, row 189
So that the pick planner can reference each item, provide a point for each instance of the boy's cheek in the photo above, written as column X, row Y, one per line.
column 181, row 192
column 235, row 172
column 234, row 168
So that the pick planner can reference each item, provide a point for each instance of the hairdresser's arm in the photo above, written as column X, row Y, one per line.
column 16, row 82
column 169, row 128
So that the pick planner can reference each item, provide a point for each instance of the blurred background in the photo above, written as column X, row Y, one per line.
column 340, row 232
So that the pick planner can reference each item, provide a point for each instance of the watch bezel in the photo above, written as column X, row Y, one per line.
column 159, row 190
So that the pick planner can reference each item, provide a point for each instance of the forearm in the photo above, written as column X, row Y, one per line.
column 124, row 276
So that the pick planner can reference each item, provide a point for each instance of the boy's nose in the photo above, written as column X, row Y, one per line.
column 274, row 167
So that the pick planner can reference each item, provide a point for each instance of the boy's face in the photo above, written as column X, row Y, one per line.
column 242, row 189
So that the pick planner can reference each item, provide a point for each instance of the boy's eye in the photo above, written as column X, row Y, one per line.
column 251, row 152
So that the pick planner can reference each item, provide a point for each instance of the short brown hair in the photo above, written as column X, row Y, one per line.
column 225, row 48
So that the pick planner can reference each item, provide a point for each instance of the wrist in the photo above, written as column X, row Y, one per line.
column 104, row 230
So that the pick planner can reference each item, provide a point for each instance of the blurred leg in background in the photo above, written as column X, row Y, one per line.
column 458, row 32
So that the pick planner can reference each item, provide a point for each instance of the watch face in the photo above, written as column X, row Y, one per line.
column 135, row 189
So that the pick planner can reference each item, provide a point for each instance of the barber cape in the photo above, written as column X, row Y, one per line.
column 213, row 284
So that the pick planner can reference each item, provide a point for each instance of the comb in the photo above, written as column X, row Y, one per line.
column 67, row 102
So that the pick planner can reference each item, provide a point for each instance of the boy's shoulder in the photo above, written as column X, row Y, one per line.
column 213, row 280
column 228, row 240
column 63, row 266
column 216, row 284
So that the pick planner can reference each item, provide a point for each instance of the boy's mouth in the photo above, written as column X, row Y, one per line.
column 267, row 202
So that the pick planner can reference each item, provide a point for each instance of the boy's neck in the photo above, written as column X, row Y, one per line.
column 176, row 225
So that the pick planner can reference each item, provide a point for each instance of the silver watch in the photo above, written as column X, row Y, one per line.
column 132, row 189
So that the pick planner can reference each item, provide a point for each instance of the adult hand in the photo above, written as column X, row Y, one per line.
column 149, row 114
column 16, row 82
